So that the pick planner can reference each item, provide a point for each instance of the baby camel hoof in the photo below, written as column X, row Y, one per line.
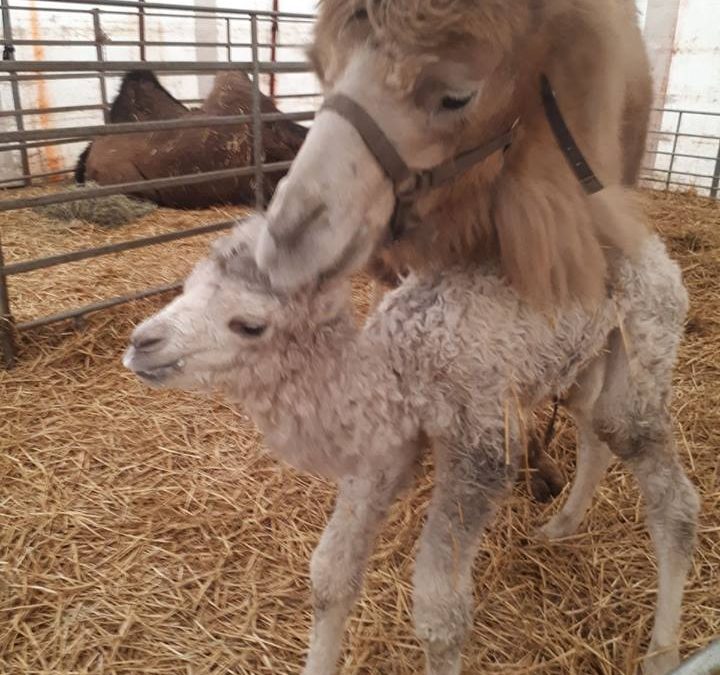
column 660, row 661
column 558, row 527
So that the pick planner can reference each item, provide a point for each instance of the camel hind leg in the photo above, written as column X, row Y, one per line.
column 632, row 416
column 593, row 455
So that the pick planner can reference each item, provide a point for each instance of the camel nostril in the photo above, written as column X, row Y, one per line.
column 146, row 344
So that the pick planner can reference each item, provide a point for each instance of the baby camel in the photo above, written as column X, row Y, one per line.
column 456, row 357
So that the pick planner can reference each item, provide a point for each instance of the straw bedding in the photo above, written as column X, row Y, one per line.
column 147, row 532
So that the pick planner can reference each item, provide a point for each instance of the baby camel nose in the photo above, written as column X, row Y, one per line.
column 145, row 340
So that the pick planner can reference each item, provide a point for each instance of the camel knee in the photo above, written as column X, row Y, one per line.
column 631, row 438
column 332, row 583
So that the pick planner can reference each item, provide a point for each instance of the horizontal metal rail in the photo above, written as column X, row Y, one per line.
column 152, row 43
column 677, row 183
column 29, row 176
column 680, row 154
column 87, row 107
column 76, row 256
column 675, row 172
column 122, row 128
column 80, row 312
column 57, row 110
column 687, row 112
column 194, row 9
column 187, row 14
column 156, row 66
column 139, row 186
column 39, row 144
column 189, row 71
column 678, row 134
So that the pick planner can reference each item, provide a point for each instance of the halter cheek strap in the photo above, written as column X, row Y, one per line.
column 579, row 165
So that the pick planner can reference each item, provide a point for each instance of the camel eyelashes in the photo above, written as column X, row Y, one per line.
column 455, row 102
column 246, row 329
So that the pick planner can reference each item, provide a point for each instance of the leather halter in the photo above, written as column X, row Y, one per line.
column 410, row 184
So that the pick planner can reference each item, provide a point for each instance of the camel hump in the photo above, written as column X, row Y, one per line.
column 142, row 98
column 232, row 94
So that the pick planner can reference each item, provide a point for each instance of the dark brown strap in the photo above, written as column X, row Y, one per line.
column 589, row 181
column 446, row 171
column 374, row 137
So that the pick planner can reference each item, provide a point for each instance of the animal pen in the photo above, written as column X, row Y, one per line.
column 146, row 532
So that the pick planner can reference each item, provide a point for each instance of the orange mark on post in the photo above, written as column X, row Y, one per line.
column 49, row 153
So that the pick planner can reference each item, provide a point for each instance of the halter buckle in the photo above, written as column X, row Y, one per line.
column 415, row 185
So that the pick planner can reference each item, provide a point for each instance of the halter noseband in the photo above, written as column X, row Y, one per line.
column 410, row 184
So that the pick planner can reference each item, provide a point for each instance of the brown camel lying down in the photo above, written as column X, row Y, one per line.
column 146, row 155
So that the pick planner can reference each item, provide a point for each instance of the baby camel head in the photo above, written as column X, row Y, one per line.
column 229, row 326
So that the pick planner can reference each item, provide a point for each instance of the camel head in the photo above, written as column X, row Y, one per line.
column 227, row 327
column 436, row 77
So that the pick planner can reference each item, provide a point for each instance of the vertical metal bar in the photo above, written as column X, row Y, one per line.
column 258, row 149
column 141, row 29
column 9, row 55
column 716, row 176
column 100, row 52
column 674, row 150
column 7, row 341
column 273, row 44
column 228, row 39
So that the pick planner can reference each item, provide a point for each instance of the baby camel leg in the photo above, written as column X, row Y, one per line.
column 593, row 455
column 339, row 560
column 468, row 484
column 632, row 416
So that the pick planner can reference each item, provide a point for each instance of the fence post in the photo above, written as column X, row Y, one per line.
column 228, row 35
column 674, row 149
column 716, row 176
column 9, row 55
column 141, row 29
column 100, row 39
column 258, row 147
column 7, row 340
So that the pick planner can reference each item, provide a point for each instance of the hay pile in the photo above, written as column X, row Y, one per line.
column 146, row 532
column 109, row 211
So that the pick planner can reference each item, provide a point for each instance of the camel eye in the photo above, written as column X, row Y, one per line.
column 240, row 327
column 360, row 15
column 455, row 102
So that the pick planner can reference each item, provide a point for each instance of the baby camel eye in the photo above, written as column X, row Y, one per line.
column 247, row 329
column 455, row 102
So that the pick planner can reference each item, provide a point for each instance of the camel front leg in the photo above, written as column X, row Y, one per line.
column 469, row 484
column 340, row 558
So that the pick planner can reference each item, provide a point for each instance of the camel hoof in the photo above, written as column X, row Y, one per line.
column 546, row 485
column 660, row 661
column 558, row 527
